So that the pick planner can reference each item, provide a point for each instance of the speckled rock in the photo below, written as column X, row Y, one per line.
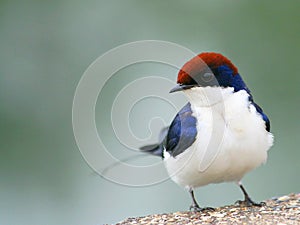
column 281, row 210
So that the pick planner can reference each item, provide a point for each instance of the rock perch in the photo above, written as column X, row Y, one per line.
column 279, row 210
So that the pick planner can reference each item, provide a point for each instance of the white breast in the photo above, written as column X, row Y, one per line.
column 231, row 139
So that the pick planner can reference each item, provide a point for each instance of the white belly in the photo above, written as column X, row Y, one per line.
column 231, row 141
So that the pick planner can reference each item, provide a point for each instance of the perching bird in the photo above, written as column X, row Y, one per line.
column 220, row 134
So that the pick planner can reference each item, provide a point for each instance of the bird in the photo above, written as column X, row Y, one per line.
column 219, row 135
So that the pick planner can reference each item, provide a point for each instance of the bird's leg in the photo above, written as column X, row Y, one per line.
column 248, row 201
column 195, row 207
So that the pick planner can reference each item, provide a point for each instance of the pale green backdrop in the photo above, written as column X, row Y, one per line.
column 45, row 46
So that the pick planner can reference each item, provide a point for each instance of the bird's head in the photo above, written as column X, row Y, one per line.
column 209, row 69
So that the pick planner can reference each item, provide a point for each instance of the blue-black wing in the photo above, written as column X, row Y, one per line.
column 264, row 116
column 182, row 132
column 260, row 111
column 178, row 137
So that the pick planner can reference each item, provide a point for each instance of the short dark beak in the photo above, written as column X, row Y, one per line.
column 181, row 87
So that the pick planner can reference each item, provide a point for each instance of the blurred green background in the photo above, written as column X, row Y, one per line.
column 47, row 45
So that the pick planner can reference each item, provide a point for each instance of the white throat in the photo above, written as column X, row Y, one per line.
column 208, row 96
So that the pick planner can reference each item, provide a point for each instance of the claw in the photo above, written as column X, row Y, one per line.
column 196, row 208
column 249, row 203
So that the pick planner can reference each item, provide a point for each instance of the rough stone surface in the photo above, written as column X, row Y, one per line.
column 279, row 210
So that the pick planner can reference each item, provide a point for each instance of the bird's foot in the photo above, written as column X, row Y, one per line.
column 248, row 203
column 197, row 208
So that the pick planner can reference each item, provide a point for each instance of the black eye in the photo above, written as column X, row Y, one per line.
column 207, row 77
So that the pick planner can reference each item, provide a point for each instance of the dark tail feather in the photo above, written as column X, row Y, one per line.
column 156, row 149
